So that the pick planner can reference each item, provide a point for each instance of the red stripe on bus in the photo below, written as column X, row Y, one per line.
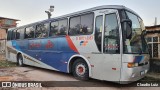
column 71, row 45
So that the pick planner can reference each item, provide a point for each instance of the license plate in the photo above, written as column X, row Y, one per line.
column 142, row 73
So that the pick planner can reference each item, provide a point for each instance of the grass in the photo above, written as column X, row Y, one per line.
column 4, row 63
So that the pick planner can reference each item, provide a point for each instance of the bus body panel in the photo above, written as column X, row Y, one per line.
column 56, row 53
column 135, row 73
column 84, row 43
column 27, row 59
column 105, row 66
column 11, row 52
column 100, row 63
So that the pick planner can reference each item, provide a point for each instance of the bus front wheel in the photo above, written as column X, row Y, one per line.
column 20, row 60
column 80, row 70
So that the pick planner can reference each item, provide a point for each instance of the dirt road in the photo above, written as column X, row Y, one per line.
column 29, row 73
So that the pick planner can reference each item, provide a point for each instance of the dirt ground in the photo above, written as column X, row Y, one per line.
column 29, row 73
column 2, row 56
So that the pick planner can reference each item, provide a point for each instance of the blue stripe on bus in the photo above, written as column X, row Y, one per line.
column 138, row 59
column 54, row 52
column 15, row 45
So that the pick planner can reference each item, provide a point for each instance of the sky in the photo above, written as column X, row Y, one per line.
column 29, row 11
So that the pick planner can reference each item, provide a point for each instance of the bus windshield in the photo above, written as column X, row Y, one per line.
column 137, row 43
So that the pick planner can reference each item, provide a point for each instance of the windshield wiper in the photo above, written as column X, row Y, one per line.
column 144, row 43
column 140, row 51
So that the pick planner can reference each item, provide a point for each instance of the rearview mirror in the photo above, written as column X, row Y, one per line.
column 127, row 26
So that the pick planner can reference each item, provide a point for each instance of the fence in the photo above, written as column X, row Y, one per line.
column 155, row 65
column 154, row 47
column 2, row 49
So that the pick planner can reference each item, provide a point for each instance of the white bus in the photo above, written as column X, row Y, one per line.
column 104, row 42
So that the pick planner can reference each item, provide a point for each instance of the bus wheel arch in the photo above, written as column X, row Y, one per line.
column 20, row 60
column 78, row 59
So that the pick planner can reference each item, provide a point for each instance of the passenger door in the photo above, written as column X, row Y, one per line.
column 107, row 61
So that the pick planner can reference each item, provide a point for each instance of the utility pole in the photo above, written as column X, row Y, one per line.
column 49, row 12
column 155, row 23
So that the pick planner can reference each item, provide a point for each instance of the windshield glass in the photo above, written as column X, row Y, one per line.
column 137, row 43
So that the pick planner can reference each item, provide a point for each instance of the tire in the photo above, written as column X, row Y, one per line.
column 20, row 60
column 80, row 70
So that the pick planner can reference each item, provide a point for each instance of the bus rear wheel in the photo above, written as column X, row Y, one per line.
column 80, row 70
column 20, row 60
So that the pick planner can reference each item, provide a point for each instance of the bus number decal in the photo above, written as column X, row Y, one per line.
column 49, row 44
column 111, row 46
column 84, row 38
column 35, row 44
column 83, row 43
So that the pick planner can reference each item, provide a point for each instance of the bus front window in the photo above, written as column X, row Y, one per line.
column 136, row 44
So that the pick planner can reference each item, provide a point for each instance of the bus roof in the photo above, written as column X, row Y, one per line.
column 98, row 8
column 81, row 12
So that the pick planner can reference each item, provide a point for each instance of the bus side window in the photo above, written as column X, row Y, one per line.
column 111, row 34
column 86, row 24
column 41, row 30
column 45, row 30
column 98, row 31
column 74, row 28
column 18, row 34
column 81, row 25
column 54, row 29
column 13, row 34
column 22, row 33
column 62, row 27
column 29, row 32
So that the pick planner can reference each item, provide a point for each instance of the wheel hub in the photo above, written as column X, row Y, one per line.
column 20, row 61
column 80, row 70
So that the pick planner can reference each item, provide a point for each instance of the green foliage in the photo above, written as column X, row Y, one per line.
column 4, row 63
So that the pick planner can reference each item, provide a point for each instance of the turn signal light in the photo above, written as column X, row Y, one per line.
column 131, row 65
